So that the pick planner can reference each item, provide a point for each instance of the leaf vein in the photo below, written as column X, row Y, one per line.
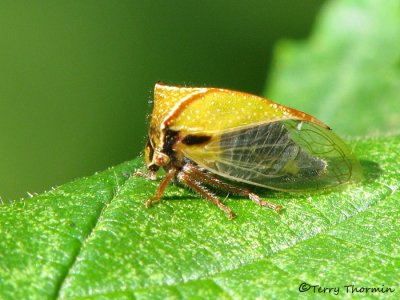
column 99, row 218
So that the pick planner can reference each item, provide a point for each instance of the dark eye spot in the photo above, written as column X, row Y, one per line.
column 195, row 139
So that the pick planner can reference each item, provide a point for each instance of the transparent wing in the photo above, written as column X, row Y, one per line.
column 289, row 155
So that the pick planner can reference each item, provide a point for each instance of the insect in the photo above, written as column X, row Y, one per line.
column 218, row 138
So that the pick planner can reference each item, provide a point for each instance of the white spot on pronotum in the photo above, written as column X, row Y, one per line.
column 299, row 126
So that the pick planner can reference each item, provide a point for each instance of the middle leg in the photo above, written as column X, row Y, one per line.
column 198, row 174
column 187, row 180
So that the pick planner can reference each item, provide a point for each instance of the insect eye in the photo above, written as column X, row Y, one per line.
column 148, row 153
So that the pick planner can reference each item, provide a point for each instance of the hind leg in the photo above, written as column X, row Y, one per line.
column 199, row 175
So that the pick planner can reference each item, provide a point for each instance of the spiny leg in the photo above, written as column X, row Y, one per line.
column 197, row 173
column 161, row 188
column 197, row 187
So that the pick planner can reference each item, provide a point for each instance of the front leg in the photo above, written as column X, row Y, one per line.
column 150, row 175
column 162, row 186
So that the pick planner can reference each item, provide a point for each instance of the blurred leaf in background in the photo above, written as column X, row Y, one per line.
column 76, row 76
column 348, row 73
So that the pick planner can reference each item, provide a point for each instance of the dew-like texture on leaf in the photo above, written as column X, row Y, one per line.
column 348, row 73
column 41, row 237
column 185, row 247
column 94, row 238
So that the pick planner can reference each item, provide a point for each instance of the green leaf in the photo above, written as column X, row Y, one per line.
column 348, row 73
column 94, row 238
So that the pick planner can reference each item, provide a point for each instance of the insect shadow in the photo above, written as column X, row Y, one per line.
column 181, row 197
column 372, row 171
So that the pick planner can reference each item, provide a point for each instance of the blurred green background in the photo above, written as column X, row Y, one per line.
column 76, row 76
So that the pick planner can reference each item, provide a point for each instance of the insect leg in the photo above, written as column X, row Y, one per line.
column 195, row 172
column 145, row 174
column 161, row 188
column 186, row 179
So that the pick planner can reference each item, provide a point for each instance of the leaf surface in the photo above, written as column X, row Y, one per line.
column 94, row 238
